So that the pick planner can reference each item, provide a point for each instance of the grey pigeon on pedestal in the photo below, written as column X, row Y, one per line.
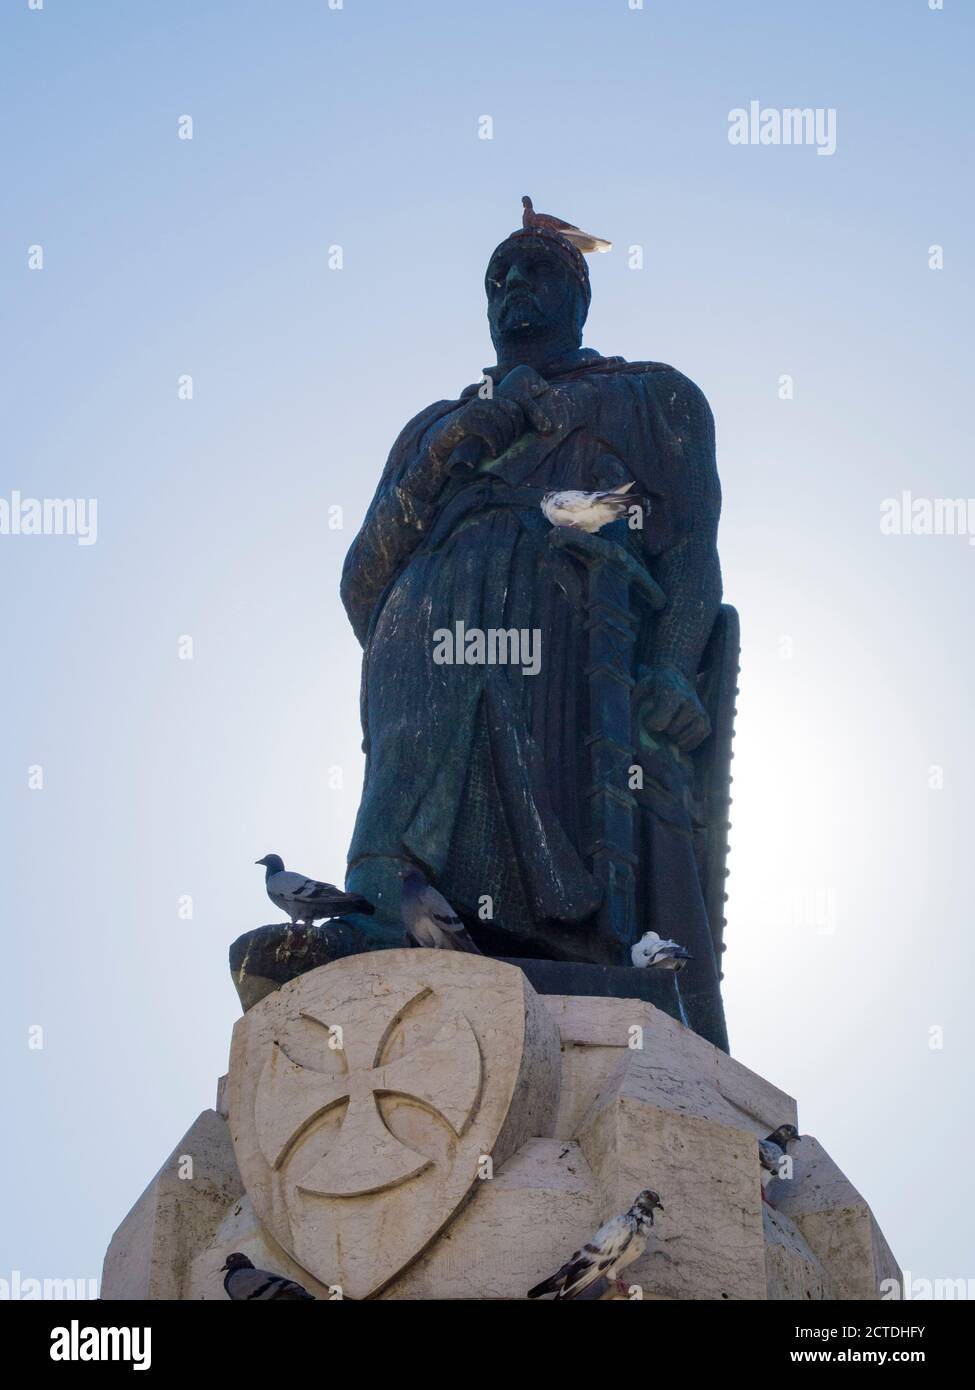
column 656, row 954
column 305, row 899
column 771, row 1151
column 614, row 1246
column 244, row 1283
column 428, row 917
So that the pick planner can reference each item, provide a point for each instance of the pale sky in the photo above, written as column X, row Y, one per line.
column 850, row 928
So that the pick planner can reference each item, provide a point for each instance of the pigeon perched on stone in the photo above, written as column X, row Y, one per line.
column 243, row 1283
column 614, row 1246
column 428, row 917
column 305, row 899
column 656, row 954
column 588, row 511
column 543, row 222
column 771, row 1151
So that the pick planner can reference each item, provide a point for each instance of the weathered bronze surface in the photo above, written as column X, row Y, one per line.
column 565, row 811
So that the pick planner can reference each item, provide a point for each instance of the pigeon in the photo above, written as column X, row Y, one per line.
column 588, row 511
column 428, row 917
column 614, row 1246
column 651, row 951
column 305, row 899
column 542, row 222
column 243, row 1282
column 771, row 1151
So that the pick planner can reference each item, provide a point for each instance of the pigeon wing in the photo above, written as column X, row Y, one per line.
column 585, row 1266
column 571, row 501
column 549, row 223
column 770, row 1155
column 248, row 1285
column 614, row 491
column 332, row 900
column 310, row 892
column 457, row 933
column 602, row 1253
column 555, row 1282
column 287, row 884
column 583, row 241
column 291, row 1292
column 438, row 909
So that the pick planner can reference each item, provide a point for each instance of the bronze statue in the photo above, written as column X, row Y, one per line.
column 562, row 810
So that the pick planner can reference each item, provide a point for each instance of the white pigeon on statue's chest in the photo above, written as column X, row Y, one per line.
column 590, row 511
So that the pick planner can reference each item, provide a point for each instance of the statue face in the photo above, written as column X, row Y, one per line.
column 531, row 293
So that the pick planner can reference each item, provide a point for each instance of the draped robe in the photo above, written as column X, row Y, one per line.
column 480, row 772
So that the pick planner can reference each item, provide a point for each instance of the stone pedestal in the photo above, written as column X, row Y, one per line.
column 423, row 1125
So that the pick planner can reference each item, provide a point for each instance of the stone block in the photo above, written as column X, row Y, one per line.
column 175, row 1216
column 836, row 1222
column 420, row 1125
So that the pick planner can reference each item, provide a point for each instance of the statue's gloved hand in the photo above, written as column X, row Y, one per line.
column 548, row 409
column 496, row 422
column 665, row 702
column 532, row 392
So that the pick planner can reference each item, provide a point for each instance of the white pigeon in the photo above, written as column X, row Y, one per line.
column 614, row 1246
column 771, row 1151
column 588, row 511
column 305, row 899
column 428, row 917
column 656, row 954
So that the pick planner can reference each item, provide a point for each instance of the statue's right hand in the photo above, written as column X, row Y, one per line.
column 495, row 423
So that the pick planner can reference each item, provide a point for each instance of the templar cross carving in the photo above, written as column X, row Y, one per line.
column 444, row 1075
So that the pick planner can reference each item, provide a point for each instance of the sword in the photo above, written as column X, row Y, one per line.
column 612, row 573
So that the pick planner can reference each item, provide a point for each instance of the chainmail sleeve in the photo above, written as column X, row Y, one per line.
column 400, row 513
column 688, row 569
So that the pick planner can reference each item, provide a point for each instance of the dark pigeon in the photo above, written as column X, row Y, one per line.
column 428, row 917
column 244, row 1283
column 532, row 221
column 771, row 1151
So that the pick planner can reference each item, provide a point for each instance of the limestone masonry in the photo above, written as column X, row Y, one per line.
column 422, row 1125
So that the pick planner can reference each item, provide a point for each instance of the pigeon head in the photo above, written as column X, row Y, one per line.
column 236, row 1261
column 645, row 948
column 272, row 862
column 784, row 1135
column 412, row 877
column 647, row 1203
column 538, row 293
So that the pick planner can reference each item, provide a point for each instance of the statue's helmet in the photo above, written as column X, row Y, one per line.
column 554, row 245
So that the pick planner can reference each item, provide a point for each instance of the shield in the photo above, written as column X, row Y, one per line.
column 369, row 1097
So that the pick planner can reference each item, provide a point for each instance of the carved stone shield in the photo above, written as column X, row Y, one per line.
column 369, row 1097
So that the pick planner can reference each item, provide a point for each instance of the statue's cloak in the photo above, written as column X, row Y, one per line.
column 480, row 772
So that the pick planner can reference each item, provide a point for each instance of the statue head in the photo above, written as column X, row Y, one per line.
column 538, row 295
